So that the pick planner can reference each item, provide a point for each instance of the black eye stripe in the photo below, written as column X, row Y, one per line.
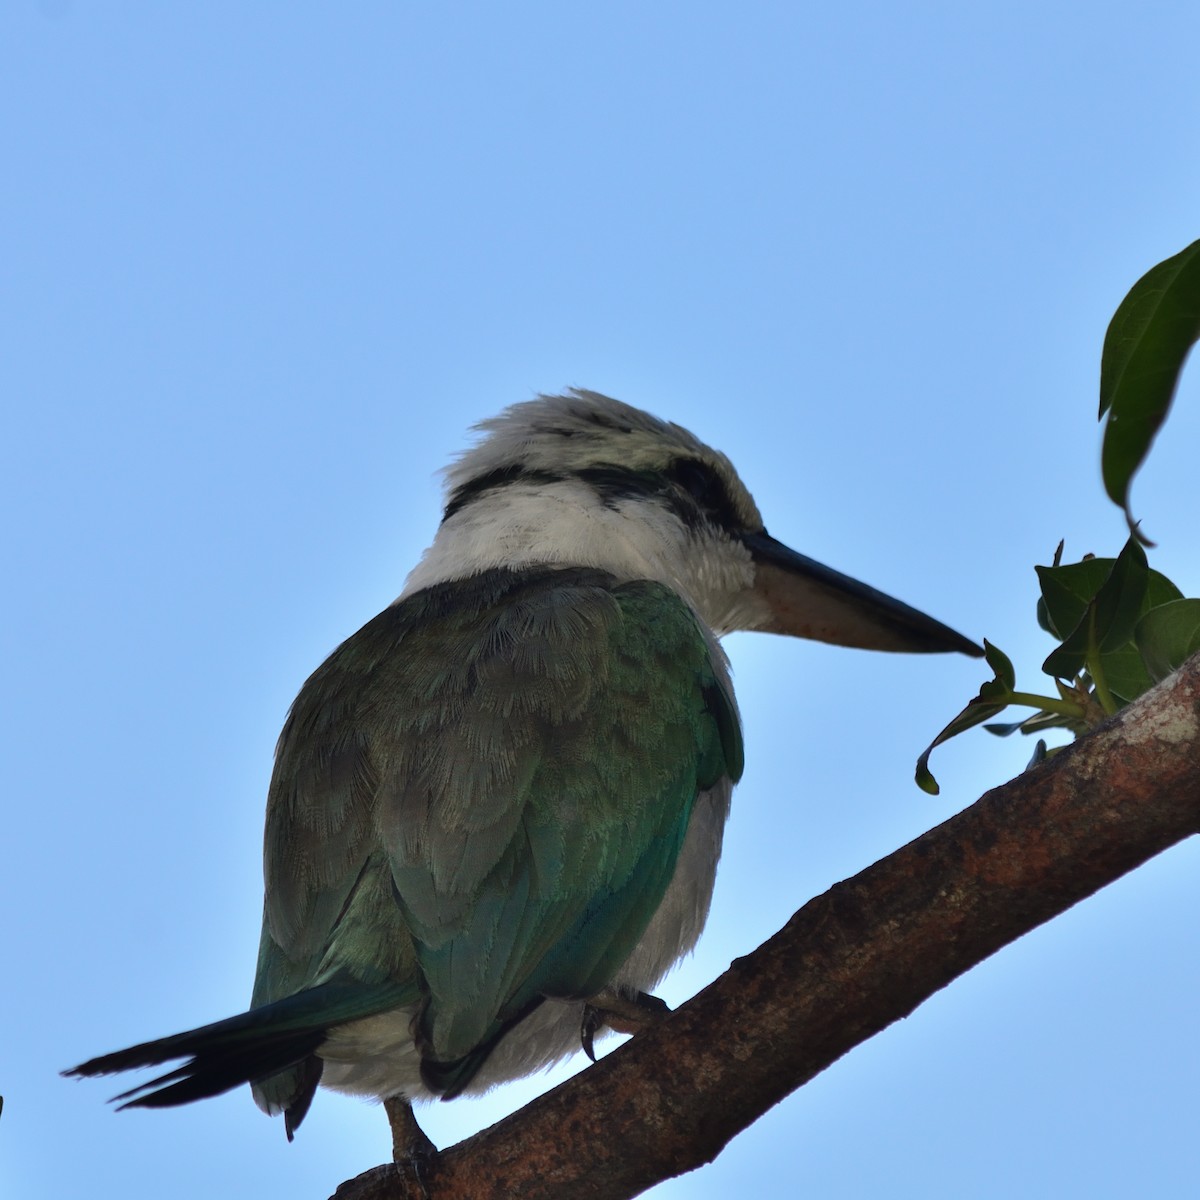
column 500, row 477
column 690, row 487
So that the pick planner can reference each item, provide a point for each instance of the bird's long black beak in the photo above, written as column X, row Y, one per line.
column 809, row 600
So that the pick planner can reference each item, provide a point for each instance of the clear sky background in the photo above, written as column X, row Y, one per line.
column 262, row 267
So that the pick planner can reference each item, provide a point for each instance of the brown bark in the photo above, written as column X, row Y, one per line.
column 847, row 965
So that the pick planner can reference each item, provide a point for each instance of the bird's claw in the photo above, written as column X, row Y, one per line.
column 624, row 1012
column 418, row 1164
column 593, row 1019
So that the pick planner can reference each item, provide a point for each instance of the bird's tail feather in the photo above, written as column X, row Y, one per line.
column 248, row 1048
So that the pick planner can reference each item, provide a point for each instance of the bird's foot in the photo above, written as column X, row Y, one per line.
column 412, row 1151
column 622, row 1011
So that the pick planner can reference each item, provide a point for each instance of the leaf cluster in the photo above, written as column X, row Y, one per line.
column 1121, row 626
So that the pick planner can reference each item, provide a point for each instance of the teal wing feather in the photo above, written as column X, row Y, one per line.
column 482, row 796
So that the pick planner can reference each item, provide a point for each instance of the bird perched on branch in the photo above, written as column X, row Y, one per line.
column 496, row 810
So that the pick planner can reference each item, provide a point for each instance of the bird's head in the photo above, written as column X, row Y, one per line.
column 584, row 480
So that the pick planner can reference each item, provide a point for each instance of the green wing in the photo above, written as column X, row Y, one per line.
column 483, row 793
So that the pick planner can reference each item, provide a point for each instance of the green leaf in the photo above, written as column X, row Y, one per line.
column 1119, row 603
column 1126, row 668
column 1001, row 664
column 1034, row 724
column 1167, row 636
column 1125, row 673
column 1098, row 602
column 1108, row 616
column 992, row 699
column 1146, row 345
column 1005, row 728
column 1068, row 590
column 1043, row 613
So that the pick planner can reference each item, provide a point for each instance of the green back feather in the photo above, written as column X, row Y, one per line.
column 482, row 795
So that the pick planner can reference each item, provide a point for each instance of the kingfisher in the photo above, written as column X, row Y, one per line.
column 496, row 810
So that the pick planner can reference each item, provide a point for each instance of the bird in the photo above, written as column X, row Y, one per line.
column 496, row 810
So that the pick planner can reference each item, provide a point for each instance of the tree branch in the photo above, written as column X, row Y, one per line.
column 847, row 965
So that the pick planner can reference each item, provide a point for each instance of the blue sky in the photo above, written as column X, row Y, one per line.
column 264, row 265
